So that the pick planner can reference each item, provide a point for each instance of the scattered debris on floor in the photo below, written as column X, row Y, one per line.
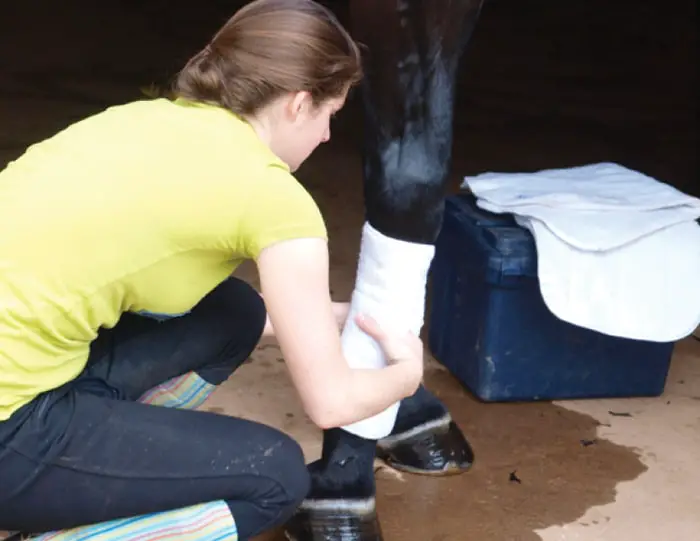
column 620, row 414
column 514, row 478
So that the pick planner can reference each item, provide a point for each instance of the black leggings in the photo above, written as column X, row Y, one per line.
column 88, row 452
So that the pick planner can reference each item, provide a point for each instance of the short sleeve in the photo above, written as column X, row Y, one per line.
column 278, row 208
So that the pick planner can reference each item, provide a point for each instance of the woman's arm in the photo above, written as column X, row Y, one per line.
column 294, row 281
column 340, row 311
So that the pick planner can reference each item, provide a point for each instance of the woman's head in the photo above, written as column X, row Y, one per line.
column 284, row 65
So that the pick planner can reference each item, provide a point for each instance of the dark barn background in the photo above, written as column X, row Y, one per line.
column 543, row 83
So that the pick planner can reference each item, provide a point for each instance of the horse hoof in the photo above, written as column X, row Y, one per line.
column 437, row 448
column 335, row 520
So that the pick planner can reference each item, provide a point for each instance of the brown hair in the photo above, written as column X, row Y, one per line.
column 269, row 48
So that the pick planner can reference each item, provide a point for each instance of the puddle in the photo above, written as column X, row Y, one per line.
column 538, row 465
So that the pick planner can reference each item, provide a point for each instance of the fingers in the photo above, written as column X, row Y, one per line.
column 369, row 325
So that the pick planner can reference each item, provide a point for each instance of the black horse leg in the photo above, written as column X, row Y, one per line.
column 414, row 47
column 408, row 96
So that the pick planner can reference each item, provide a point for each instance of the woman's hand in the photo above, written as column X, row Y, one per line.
column 399, row 348
column 294, row 279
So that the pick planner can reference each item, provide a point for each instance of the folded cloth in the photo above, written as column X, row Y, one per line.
column 592, row 207
column 618, row 252
column 646, row 290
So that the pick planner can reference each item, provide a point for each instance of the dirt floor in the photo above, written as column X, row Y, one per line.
column 541, row 86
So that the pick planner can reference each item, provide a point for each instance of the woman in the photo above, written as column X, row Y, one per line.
column 119, row 236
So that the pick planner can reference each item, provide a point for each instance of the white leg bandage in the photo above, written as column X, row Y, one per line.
column 390, row 287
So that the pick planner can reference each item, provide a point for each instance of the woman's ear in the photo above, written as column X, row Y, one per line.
column 299, row 106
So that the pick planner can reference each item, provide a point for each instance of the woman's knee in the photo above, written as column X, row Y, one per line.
column 279, row 484
column 295, row 475
column 237, row 302
column 234, row 315
column 284, row 464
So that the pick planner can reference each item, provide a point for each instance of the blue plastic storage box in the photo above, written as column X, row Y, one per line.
column 490, row 327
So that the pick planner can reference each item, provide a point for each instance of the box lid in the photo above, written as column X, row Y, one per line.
column 510, row 248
